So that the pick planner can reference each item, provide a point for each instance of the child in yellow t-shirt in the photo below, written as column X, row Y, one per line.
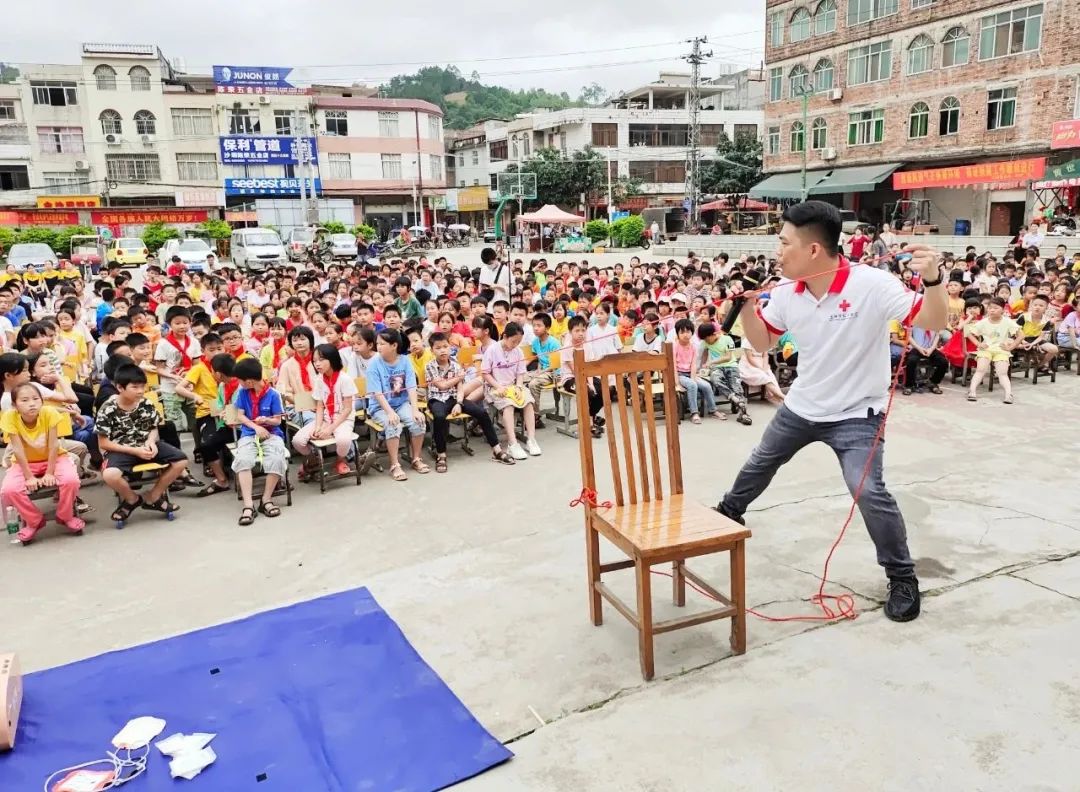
column 30, row 428
column 202, row 384
column 76, row 364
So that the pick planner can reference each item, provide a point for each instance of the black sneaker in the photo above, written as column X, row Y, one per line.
column 540, row 423
column 903, row 603
column 720, row 508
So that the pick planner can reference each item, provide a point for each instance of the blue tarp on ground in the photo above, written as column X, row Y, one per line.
column 321, row 695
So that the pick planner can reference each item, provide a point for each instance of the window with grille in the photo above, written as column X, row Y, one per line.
column 919, row 121
column 870, row 63
column 819, row 134
column 337, row 123
column 391, row 166
column 949, row 118
column 243, row 122
column 823, row 75
column 388, row 124
column 145, row 123
column 1011, row 32
column 140, row 78
column 798, row 81
column 196, row 167
column 860, row 11
column 105, row 78
column 866, row 127
column 111, row 123
column 339, row 166
column 920, row 55
column 954, row 47
column 191, row 121
column 58, row 93
column 64, row 183
column 825, row 17
column 133, row 167
column 61, row 140
column 1001, row 108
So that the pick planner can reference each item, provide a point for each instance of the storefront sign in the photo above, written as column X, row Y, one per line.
column 437, row 202
column 31, row 217
column 115, row 217
column 1006, row 172
column 451, row 201
column 1065, row 134
column 255, row 80
column 472, row 199
column 68, row 201
column 1065, row 175
column 271, row 150
column 269, row 186
column 200, row 196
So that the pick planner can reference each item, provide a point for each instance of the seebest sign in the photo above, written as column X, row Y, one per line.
column 255, row 80
column 268, row 186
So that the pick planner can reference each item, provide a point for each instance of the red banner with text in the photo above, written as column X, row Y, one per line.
column 1006, row 172
column 129, row 217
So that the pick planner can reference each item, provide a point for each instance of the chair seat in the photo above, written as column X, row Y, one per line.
column 371, row 424
column 330, row 441
column 674, row 527
column 148, row 467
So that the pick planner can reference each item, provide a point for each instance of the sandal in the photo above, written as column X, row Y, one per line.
column 719, row 416
column 247, row 516
column 503, row 457
column 907, row 391
column 269, row 509
column 397, row 473
column 162, row 505
column 213, row 488
column 936, row 389
column 123, row 512
column 82, row 507
column 971, row 397
column 420, row 466
column 695, row 418
column 440, row 464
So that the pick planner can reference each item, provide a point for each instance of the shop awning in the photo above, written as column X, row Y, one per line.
column 858, row 178
column 786, row 185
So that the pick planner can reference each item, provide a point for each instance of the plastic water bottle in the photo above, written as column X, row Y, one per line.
column 11, row 517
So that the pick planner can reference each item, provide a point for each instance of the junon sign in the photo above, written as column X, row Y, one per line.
column 255, row 80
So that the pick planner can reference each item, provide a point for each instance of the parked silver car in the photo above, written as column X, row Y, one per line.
column 31, row 256
column 343, row 246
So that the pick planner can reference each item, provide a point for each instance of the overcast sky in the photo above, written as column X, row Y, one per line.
column 349, row 41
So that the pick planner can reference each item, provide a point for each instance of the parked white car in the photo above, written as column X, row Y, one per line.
column 343, row 246
column 297, row 243
column 255, row 249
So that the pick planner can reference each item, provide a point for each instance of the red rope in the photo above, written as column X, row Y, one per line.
column 587, row 497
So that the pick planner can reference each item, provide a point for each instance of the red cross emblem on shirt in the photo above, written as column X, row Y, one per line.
column 844, row 306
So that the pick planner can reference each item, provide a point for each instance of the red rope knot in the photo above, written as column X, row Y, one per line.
column 588, row 497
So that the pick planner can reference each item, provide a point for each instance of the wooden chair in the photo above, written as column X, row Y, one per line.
column 650, row 526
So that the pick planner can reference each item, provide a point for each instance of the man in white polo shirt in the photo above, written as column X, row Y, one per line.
column 840, row 322
column 496, row 279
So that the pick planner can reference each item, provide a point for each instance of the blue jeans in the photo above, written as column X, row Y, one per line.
column 850, row 440
column 695, row 387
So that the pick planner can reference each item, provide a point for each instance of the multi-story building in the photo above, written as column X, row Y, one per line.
column 950, row 101
column 127, row 129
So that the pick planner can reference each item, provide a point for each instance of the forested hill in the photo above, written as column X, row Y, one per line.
column 466, row 100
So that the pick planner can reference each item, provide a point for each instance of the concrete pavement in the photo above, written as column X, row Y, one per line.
column 483, row 568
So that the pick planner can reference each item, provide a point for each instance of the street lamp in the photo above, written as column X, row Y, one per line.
column 804, row 91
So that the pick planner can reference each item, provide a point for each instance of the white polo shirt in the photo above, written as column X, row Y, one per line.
column 843, row 340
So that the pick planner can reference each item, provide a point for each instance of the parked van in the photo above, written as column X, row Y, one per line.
column 255, row 249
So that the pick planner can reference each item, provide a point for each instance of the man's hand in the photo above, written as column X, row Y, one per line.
column 925, row 261
column 454, row 413
column 261, row 433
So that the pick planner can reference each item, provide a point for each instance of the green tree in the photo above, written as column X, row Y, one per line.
column 365, row 232
column 156, row 234
column 596, row 230
column 737, row 169
column 562, row 180
column 627, row 231
column 8, row 73
column 37, row 234
column 7, row 237
column 334, row 226
column 216, row 229
column 593, row 94
column 62, row 238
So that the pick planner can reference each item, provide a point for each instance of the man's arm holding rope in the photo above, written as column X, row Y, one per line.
column 933, row 310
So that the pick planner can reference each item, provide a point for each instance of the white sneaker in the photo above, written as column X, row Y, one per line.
column 517, row 452
column 533, row 447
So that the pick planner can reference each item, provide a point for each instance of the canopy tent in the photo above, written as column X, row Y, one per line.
column 552, row 215
column 745, row 204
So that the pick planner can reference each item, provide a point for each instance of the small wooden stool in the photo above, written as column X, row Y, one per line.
column 648, row 526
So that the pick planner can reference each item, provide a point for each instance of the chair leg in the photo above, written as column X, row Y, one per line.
column 738, row 597
column 592, row 560
column 645, row 622
column 678, row 583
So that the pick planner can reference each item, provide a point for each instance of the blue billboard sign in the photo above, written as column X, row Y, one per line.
column 269, row 186
column 263, row 150
column 255, row 80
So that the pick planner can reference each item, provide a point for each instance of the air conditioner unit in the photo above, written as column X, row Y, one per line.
column 147, row 140
column 113, row 140
column 81, row 165
column 828, row 154
column 264, row 100
column 836, row 94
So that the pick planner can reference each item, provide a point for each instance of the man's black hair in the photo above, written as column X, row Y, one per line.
column 821, row 219
column 224, row 363
column 110, row 350
column 488, row 254
column 246, row 369
column 176, row 311
column 128, row 375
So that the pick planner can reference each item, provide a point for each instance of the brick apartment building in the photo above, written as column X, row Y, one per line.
column 910, row 86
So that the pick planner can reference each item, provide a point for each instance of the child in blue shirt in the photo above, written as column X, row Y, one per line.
column 391, row 382
column 720, row 367
column 543, row 345
column 260, row 412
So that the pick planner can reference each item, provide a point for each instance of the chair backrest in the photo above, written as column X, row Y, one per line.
column 361, row 386
column 555, row 360
column 466, row 355
column 630, row 417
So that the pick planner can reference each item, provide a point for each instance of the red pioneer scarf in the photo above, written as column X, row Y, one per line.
column 185, row 359
column 256, row 398
column 305, row 375
column 331, row 384
column 279, row 344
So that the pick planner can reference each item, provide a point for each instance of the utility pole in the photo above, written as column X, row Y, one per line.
column 693, row 156
column 299, row 170
column 804, row 91
column 311, row 209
